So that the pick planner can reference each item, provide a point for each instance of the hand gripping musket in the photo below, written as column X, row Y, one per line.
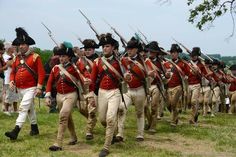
column 50, row 34
column 90, row 25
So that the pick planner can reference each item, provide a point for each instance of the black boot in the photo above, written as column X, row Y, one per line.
column 34, row 130
column 103, row 153
column 14, row 133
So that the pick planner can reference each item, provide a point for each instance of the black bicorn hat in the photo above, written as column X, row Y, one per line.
column 66, row 48
column 154, row 47
column 196, row 51
column 232, row 67
column 208, row 61
column 216, row 62
column 105, row 39
column 175, row 48
column 22, row 37
column 90, row 43
column 134, row 43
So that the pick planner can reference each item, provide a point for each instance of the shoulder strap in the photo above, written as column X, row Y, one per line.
column 109, row 66
column 72, row 78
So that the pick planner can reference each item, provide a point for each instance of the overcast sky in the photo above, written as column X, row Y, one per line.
column 159, row 23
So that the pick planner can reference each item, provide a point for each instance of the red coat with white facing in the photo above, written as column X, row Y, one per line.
column 130, row 66
column 183, row 70
column 106, row 82
column 194, row 78
column 22, row 77
column 63, row 83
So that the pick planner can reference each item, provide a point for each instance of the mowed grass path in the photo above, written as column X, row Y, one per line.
column 212, row 137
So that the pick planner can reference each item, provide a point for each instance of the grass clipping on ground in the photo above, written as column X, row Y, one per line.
column 212, row 137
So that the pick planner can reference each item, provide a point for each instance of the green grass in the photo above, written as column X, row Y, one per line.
column 212, row 137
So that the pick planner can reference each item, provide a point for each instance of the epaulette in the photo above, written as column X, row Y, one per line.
column 97, row 60
column 35, row 56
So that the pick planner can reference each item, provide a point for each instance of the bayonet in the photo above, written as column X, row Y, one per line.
column 122, row 39
column 50, row 34
column 90, row 24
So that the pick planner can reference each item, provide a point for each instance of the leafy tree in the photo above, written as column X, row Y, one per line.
column 207, row 11
column 203, row 13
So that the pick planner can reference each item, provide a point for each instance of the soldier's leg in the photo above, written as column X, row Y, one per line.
column 233, row 102
column 68, row 101
column 215, row 101
column 27, row 99
column 206, row 100
column 139, row 102
column 114, row 99
column 174, row 99
column 71, row 128
column 122, row 111
column 155, row 94
column 92, row 119
column 25, row 106
column 102, row 106
column 195, row 104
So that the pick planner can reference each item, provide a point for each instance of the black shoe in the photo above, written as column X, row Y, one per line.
column 103, row 153
column 147, row 126
column 34, row 130
column 14, row 133
column 196, row 117
column 89, row 137
column 72, row 142
column 55, row 148
column 117, row 139
column 139, row 139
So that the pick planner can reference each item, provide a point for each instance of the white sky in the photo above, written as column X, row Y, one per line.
column 157, row 22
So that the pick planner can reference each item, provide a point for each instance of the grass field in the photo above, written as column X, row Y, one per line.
column 212, row 137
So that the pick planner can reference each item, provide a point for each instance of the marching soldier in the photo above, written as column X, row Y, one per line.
column 66, row 78
column 88, row 107
column 156, row 90
column 105, row 75
column 232, row 89
column 219, row 79
column 54, row 60
column 27, row 76
column 206, row 92
column 178, row 70
column 137, row 88
column 198, row 71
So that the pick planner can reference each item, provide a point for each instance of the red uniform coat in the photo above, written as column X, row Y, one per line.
column 131, row 66
column 106, row 82
column 232, row 81
column 175, row 79
column 194, row 78
column 22, row 77
column 63, row 84
column 159, row 72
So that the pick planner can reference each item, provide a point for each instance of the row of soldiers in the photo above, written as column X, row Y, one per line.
column 110, row 83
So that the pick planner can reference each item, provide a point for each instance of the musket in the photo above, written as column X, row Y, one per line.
column 50, row 34
column 78, row 38
column 122, row 39
column 138, row 36
column 90, row 25
column 143, row 35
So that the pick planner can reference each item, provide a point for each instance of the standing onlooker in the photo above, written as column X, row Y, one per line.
column 11, row 97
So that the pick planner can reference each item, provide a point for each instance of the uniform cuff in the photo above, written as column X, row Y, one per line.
column 39, row 86
column 48, row 94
